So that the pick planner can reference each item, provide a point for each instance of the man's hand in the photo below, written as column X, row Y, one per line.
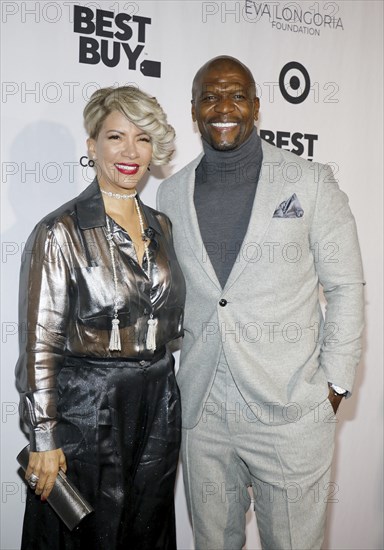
column 335, row 399
column 43, row 467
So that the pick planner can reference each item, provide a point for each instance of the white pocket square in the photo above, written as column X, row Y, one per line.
column 291, row 208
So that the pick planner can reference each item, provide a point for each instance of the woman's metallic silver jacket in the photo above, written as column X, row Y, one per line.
column 66, row 300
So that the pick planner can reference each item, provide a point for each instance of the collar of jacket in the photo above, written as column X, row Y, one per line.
column 91, row 212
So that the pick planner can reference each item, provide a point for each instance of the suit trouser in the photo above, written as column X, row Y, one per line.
column 288, row 467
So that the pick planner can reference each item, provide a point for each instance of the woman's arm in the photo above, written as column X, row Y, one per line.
column 43, row 325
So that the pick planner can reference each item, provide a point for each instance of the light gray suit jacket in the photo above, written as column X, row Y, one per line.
column 280, row 349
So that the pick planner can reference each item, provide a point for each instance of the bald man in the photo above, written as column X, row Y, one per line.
column 262, row 371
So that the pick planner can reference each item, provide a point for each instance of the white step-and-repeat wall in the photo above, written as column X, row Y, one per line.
column 319, row 72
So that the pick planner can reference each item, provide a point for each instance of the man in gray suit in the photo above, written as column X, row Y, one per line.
column 262, row 370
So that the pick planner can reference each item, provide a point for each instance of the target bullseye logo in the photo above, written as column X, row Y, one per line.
column 294, row 82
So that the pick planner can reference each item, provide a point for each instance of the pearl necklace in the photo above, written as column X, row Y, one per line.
column 118, row 196
column 143, row 236
column 115, row 342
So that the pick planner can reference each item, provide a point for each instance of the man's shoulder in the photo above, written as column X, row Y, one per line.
column 295, row 168
column 171, row 187
column 183, row 173
column 281, row 156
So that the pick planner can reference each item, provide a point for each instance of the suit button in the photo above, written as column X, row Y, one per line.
column 223, row 302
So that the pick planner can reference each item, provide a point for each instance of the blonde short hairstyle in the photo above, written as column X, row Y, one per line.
column 141, row 109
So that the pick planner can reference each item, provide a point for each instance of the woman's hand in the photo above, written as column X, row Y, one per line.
column 45, row 466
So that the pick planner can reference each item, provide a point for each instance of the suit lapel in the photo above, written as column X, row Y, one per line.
column 267, row 196
column 191, row 224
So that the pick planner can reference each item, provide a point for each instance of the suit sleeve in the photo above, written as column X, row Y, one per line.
column 166, row 197
column 43, row 321
column 338, row 263
column 159, row 198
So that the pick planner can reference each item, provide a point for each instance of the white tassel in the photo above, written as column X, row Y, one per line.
column 151, row 334
column 114, row 342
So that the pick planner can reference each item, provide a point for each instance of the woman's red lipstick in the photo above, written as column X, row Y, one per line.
column 127, row 169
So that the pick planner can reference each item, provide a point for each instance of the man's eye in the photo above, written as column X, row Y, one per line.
column 238, row 97
column 209, row 98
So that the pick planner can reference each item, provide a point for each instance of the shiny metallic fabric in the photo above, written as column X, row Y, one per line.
column 66, row 301
column 120, row 431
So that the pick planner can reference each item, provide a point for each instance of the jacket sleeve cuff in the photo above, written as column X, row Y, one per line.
column 43, row 440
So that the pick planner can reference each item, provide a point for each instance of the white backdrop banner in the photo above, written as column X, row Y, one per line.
column 319, row 73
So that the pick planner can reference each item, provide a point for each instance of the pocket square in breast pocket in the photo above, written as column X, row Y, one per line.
column 291, row 208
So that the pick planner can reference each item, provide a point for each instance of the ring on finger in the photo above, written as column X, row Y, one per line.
column 32, row 481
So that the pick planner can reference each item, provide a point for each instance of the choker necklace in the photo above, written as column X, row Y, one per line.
column 118, row 196
column 115, row 342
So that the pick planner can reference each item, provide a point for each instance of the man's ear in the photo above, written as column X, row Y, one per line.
column 256, row 107
column 193, row 111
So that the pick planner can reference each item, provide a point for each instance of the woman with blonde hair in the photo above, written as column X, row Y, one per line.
column 101, row 295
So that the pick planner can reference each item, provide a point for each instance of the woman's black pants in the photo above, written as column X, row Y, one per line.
column 120, row 431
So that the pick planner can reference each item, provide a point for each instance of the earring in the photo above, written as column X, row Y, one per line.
column 149, row 167
column 91, row 163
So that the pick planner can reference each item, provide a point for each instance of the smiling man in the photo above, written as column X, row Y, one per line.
column 262, row 373
column 224, row 103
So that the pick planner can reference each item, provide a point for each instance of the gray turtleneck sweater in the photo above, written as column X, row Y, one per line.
column 225, row 187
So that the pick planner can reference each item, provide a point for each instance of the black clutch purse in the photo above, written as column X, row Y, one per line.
column 65, row 499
